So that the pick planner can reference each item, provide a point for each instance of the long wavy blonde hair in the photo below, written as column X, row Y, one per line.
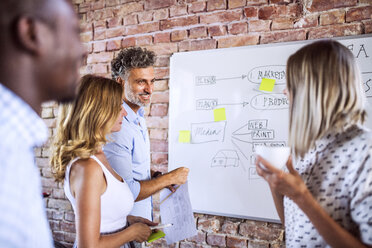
column 325, row 92
column 84, row 124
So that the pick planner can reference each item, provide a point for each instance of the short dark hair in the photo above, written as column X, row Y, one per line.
column 129, row 58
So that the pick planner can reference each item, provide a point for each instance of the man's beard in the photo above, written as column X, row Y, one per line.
column 131, row 97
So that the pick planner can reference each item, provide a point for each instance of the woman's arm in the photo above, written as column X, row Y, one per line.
column 291, row 185
column 87, row 184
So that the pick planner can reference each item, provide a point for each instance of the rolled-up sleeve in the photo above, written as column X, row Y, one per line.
column 119, row 155
column 361, row 202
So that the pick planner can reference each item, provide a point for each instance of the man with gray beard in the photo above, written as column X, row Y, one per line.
column 129, row 150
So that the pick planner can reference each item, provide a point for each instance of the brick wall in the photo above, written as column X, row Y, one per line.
column 169, row 26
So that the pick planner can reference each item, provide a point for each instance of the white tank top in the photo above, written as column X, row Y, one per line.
column 116, row 202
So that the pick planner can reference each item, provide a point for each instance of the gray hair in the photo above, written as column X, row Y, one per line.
column 127, row 59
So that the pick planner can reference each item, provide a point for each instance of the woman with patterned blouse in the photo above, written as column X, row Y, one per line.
column 325, row 197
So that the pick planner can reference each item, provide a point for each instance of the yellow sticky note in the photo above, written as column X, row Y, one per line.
column 155, row 235
column 184, row 136
column 219, row 114
column 267, row 84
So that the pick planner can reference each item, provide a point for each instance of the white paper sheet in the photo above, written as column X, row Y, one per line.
column 176, row 209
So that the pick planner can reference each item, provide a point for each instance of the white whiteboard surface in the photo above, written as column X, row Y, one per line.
column 223, row 179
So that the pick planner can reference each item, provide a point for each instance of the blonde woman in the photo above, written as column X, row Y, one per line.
column 100, row 198
column 325, row 200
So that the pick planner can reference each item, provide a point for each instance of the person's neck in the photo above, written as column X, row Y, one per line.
column 133, row 106
column 21, row 82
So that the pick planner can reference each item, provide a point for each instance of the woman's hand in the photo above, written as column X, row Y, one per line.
column 140, row 231
column 136, row 219
column 288, row 184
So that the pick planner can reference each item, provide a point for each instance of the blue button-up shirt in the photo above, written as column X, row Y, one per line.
column 23, row 221
column 128, row 152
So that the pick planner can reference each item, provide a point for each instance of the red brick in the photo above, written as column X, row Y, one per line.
column 160, row 14
column 282, row 23
column 86, row 27
column 208, row 225
column 159, row 134
column 261, row 244
column 84, row 7
column 216, row 239
column 282, row 36
column 160, row 97
column 128, row 42
column 195, row 45
column 258, row 25
column 99, row 68
column 162, row 38
column 97, row 5
column 251, row 12
column 99, row 24
column 54, row 225
column 100, row 57
column 99, row 46
column 254, row 231
column 236, row 3
column 335, row 31
column 158, row 4
column 178, row 22
column 236, row 242
column 257, row 2
column 114, row 32
column 225, row 16
column 322, row 5
column 197, row 7
column 216, row 5
column 357, row 14
column 103, row 14
column 276, row 11
column 111, row 3
column 128, row 8
column 130, row 19
column 70, row 216
column 159, row 109
column 177, row 10
column 365, row 1
column 67, row 227
column 238, row 28
column 159, row 158
column 281, row 1
column 332, row 17
column 161, row 61
column 161, row 72
column 69, row 237
column 163, row 48
column 158, row 145
column 114, row 22
column 198, row 32
column 144, row 40
column 179, row 35
column 198, row 238
column 86, row 37
column 230, row 227
column 113, row 45
column 161, row 85
column 142, row 28
column 307, row 22
column 48, row 182
column 145, row 16
column 367, row 26
column 99, row 34
column 217, row 31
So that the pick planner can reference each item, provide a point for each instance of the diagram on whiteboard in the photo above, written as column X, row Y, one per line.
column 225, row 103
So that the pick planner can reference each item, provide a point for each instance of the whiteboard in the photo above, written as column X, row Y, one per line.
column 223, row 179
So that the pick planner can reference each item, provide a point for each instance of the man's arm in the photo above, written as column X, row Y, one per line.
column 150, row 187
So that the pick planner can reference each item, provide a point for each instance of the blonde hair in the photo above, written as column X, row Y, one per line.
column 325, row 92
column 83, row 125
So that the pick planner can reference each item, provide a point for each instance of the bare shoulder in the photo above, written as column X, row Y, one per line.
column 86, row 168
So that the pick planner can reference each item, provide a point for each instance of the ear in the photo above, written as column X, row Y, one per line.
column 31, row 35
column 120, row 81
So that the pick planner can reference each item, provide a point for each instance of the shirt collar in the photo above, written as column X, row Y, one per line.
column 133, row 116
column 22, row 118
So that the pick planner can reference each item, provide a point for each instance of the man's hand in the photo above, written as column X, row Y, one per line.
column 178, row 177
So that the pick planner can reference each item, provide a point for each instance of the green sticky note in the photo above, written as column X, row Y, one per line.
column 219, row 114
column 155, row 235
column 267, row 84
column 184, row 136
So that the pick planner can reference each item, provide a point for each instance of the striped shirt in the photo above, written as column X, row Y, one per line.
column 23, row 221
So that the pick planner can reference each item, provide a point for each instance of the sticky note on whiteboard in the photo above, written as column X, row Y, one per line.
column 267, row 84
column 219, row 114
column 184, row 136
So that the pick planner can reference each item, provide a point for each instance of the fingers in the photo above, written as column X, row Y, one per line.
column 171, row 188
column 290, row 166
column 260, row 161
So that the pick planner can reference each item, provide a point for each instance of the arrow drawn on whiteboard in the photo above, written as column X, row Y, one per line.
column 240, row 103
